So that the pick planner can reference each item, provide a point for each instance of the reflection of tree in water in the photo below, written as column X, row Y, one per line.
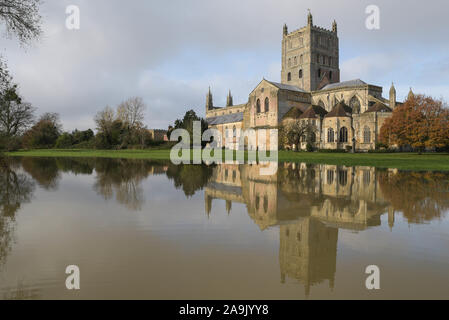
column 421, row 196
column 21, row 292
column 124, row 178
column 299, row 179
column 44, row 170
column 189, row 178
column 15, row 189
column 76, row 165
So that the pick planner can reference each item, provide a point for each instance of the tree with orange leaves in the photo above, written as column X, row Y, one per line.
column 421, row 122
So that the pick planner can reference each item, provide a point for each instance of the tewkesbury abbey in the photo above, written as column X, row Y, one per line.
column 345, row 115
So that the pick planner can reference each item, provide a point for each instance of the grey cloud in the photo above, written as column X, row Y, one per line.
column 133, row 47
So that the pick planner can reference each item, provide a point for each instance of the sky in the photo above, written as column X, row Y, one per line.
column 170, row 52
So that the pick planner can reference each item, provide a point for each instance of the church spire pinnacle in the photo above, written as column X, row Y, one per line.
column 229, row 100
column 309, row 18
column 209, row 101
column 392, row 96
column 334, row 26
column 410, row 94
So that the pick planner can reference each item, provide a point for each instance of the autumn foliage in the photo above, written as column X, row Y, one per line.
column 421, row 122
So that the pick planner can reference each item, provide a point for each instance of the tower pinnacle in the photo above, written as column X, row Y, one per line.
column 410, row 94
column 209, row 101
column 392, row 96
column 285, row 30
column 229, row 100
column 309, row 18
column 334, row 26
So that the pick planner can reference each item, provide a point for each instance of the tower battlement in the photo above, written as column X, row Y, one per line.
column 310, row 56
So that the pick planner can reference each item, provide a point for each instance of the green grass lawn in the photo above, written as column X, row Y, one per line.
column 403, row 161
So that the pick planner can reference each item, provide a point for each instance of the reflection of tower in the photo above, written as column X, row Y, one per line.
column 208, row 204
column 308, row 252
column 228, row 206
column 391, row 217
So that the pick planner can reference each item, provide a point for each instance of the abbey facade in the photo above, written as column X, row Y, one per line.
column 343, row 115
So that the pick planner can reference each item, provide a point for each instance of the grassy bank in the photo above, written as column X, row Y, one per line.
column 403, row 161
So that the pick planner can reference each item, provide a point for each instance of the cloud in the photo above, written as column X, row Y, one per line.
column 169, row 52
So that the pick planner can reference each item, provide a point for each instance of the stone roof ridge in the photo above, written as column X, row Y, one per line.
column 340, row 110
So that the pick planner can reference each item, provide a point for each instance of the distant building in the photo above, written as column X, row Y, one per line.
column 158, row 134
column 344, row 114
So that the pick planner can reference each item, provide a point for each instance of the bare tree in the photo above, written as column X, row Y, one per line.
column 104, row 119
column 15, row 115
column 296, row 130
column 132, row 112
column 22, row 18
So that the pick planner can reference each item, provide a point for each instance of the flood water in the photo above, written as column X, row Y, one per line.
column 153, row 230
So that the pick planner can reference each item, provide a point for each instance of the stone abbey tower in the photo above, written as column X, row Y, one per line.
column 310, row 56
column 345, row 115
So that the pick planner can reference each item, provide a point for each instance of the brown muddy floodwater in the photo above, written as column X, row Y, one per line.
column 152, row 230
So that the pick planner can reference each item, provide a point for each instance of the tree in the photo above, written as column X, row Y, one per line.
column 295, row 130
column 132, row 113
column 44, row 133
column 187, row 124
column 421, row 122
column 104, row 119
column 15, row 115
column 65, row 140
column 22, row 18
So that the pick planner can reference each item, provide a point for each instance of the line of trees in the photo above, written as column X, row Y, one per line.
column 122, row 128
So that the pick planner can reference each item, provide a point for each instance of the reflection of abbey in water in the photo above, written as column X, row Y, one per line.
column 309, row 203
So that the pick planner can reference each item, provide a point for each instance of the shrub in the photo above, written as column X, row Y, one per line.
column 10, row 144
column 309, row 147
column 65, row 140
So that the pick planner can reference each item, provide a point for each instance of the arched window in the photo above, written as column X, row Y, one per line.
column 267, row 104
column 343, row 135
column 319, row 73
column 343, row 177
column 366, row 177
column 289, row 76
column 265, row 204
column 354, row 103
column 295, row 60
column 289, row 62
column 366, row 135
column 300, row 74
column 234, row 131
column 258, row 106
column 330, row 176
column 330, row 135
